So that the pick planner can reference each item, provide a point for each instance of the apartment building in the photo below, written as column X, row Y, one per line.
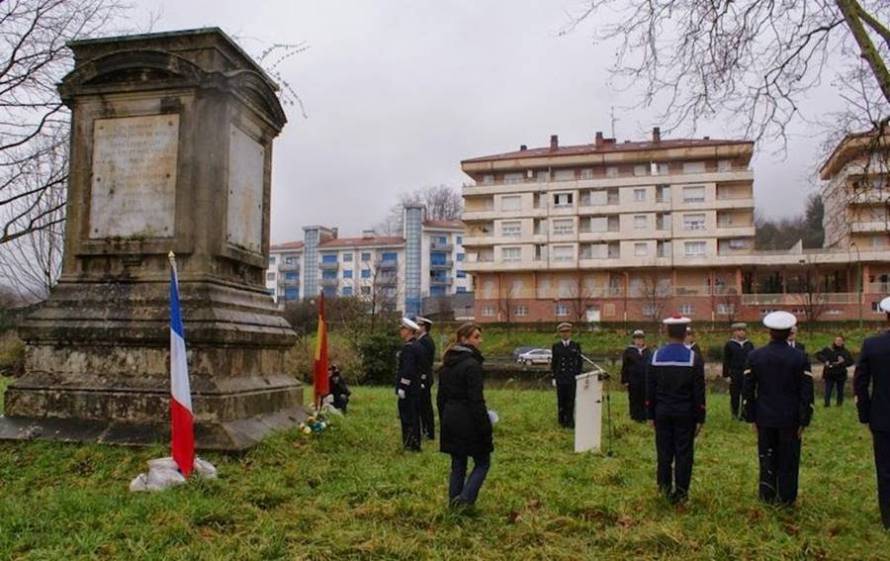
column 398, row 272
column 612, row 231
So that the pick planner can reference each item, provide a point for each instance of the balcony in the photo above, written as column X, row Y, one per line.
column 387, row 280
column 441, row 281
column 439, row 246
column 283, row 267
column 446, row 265
column 799, row 299
column 871, row 226
column 330, row 282
column 329, row 266
column 388, row 264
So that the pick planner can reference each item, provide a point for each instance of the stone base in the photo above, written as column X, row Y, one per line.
column 230, row 436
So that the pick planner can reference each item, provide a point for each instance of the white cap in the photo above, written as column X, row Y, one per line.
column 421, row 319
column 885, row 305
column 779, row 320
column 639, row 333
column 675, row 319
column 406, row 322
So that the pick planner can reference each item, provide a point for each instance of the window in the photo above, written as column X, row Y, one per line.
column 520, row 311
column 639, row 195
column 693, row 167
column 487, row 179
column 611, row 171
column 271, row 260
column 329, row 275
column 738, row 243
column 641, row 169
column 347, row 291
column 562, row 199
column 460, row 256
column 510, row 203
column 649, row 310
column 564, row 174
column 663, row 249
column 693, row 221
column 563, row 253
column 290, row 260
column 686, row 309
column 662, row 193
column 366, row 290
column 366, row 273
column 724, row 309
column 461, row 289
column 512, row 229
column 595, row 198
column 270, row 276
column 329, row 258
column 543, row 177
column 562, row 310
column 694, row 249
column 563, row 227
column 347, row 274
column 662, row 221
column 510, row 254
column 487, row 311
column 641, row 249
column 366, row 256
column 293, row 276
column 599, row 251
column 694, row 194
column 461, row 274
column 347, row 258
column 389, row 256
column 514, row 178
column 724, row 165
column 660, row 169
column 640, row 222
column 291, row 293
column 438, row 258
column 460, row 240
column 586, row 174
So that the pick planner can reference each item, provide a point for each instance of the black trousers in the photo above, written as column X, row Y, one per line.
column 830, row 385
column 636, row 396
column 779, row 452
column 735, row 392
column 674, row 444
column 408, row 415
column 427, row 417
column 882, row 466
column 565, row 404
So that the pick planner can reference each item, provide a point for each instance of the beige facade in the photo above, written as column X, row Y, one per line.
column 609, row 231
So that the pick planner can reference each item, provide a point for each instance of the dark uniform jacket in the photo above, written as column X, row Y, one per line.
column 634, row 362
column 871, row 382
column 837, row 360
column 566, row 362
column 427, row 355
column 339, row 390
column 407, row 375
column 735, row 356
column 466, row 428
column 778, row 387
column 675, row 383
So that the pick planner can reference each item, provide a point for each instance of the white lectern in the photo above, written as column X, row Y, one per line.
column 588, row 411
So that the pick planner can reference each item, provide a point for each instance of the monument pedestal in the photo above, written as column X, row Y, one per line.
column 171, row 150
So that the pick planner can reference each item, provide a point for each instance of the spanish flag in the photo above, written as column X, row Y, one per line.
column 321, row 356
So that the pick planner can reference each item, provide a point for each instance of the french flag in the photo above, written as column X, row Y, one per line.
column 182, row 435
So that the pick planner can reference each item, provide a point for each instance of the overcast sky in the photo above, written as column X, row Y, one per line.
column 397, row 92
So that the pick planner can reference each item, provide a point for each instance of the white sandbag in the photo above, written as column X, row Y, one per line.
column 204, row 469
column 162, row 478
column 139, row 483
column 166, row 462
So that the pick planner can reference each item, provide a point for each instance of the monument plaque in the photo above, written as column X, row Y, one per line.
column 245, row 217
column 134, row 176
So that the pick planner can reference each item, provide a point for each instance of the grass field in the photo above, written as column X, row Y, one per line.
column 350, row 493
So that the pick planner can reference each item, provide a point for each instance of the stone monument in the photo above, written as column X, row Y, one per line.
column 171, row 149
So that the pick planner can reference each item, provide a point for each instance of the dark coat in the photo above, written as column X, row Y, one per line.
column 836, row 360
column 735, row 356
column 426, row 356
column 634, row 362
column 675, row 383
column 407, row 375
column 778, row 387
column 871, row 382
column 339, row 390
column 566, row 362
column 466, row 428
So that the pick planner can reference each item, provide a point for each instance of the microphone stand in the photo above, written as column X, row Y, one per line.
column 604, row 377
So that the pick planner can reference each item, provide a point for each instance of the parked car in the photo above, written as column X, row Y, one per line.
column 521, row 350
column 535, row 356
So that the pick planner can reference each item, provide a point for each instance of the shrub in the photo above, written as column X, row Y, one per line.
column 378, row 352
column 12, row 355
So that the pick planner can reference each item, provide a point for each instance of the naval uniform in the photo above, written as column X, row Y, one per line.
column 565, row 365
column 871, row 384
column 735, row 355
column 834, row 374
column 426, row 356
column 675, row 400
column 408, row 381
column 634, row 362
column 777, row 396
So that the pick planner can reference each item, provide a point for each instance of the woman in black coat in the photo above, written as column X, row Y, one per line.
column 466, row 426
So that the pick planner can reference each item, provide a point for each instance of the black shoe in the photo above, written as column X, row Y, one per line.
column 678, row 497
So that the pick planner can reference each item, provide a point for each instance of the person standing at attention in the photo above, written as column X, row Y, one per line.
column 565, row 364
column 427, row 358
column 408, row 386
column 735, row 356
column 464, row 418
column 675, row 404
column 634, row 362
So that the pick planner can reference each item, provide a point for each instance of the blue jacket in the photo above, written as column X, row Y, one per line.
column 871, row 382
column 778, row 387
column 675, row 383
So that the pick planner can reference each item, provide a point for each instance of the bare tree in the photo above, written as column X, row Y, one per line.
column 441, row 201
column 753, row 60
column 730, row 300
column 33, row 121
column 380, row 296
column 809, row 293
column 655, row 293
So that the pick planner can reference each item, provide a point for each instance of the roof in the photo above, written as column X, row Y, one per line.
column 606, row 147
column 450, row 224
column 850, row 147
column 286, row 246
column 362, row 242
